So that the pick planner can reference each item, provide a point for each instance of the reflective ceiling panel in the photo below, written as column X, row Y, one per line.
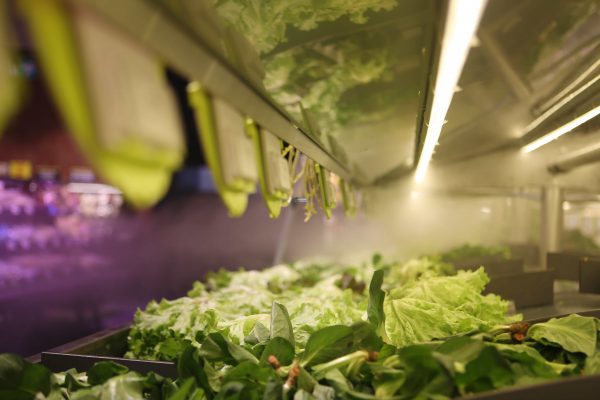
column 530, row 55
column 351, row 73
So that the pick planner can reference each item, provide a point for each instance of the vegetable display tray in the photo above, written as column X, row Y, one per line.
column 108, row 345
column 112, row 345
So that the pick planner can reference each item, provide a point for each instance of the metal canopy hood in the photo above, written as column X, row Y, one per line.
column 536, row 66
column 349, row 83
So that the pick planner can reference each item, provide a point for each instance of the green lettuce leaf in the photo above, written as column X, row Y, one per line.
column 441, row 306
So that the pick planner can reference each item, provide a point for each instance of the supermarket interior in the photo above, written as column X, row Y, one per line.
column 241, row 199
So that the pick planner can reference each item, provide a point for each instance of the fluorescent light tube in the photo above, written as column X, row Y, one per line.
column 461, row 23
column 552, row 110
column 555, row 134
column 581, row 78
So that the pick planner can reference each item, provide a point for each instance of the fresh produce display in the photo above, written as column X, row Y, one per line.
column 414, row 330
column 422, row 303
column 338, row 362
column 472, row 251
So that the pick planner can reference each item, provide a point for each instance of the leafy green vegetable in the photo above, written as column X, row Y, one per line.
column 573, row 333
column 326, row 344
column 489, row 370
column 257, row 335
column 280, row 323
column 281, row 349
column 339, row 362
column 529, row 365
column 242, row 304
column 415, row 269
column 441, row 306
column 22, row 380
column 425, row 374
column 375, row 312
column 103, row 371
column 473, row 251
column 304, row 331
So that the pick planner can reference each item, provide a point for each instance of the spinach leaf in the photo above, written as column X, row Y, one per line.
column 489, row 370
column 573, row 333
column 531, row 363
column 120, row 387
column 20, row 379
column 184, row 390
column 281, row 349
column 461, row 349
column 258, row 334
column 327, row 343
column 103, row 371
column 376, row 297
column 281, row 325
column 425, row 375
column 191, row 365
column 216, row 348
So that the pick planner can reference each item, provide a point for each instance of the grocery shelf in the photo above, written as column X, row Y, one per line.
column 192, row 56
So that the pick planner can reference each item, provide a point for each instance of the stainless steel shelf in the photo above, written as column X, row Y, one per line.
column 185, row 52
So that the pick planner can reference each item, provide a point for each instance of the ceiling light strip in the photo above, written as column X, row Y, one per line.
column 555, row 134
column 461, row 24
column 582, row 77
column 536, row 122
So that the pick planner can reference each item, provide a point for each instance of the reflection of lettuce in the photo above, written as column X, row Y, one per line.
column 338, row 81
column 323, row 75
column 264, row 22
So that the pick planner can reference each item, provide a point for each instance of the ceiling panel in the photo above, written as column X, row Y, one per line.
column 527, row 52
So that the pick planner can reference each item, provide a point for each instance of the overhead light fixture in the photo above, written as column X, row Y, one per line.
column 567, row 89
column 462, row 20
column 555, row 134
column 559, row 104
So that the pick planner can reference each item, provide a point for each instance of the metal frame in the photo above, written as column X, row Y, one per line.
column 57, row 362
column 587, row 155
column 426, row 100
column 185, row 52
